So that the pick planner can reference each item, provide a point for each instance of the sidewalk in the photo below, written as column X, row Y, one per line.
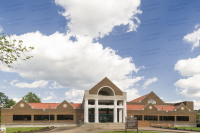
column 106, row 129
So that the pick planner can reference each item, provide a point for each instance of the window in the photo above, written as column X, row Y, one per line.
column 167, row 118
column 152, row 101
column 103, row 93
column 65, row 117
column 139, row 117
column 182, row 118
column 151, row 118
column 21, row 117
column 43, row 117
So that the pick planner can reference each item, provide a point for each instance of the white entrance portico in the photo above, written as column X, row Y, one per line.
column 105, row 105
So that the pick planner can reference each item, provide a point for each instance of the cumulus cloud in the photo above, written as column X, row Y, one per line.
column 16, row 99
column 149, row 81
column 36, row 84
column 188, row 67
column 178, row 101
column 126, row 83
column 196, row 105
column 132, row 94
column 193, row 38
column 78, row 65
column 13, row 82
column 74, row 93
column 190, row 86
column 55, row 85
column 98, row 18
column 50, row 95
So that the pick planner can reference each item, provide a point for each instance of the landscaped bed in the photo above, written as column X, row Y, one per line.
column 196, row 129
column 26, row 129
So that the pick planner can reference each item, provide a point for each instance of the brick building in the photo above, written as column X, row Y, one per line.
column 105, row 102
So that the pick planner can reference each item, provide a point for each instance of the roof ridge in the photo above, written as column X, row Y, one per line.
column 139, row 98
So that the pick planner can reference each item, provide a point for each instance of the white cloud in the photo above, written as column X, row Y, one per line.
column 126, row 83
column 196, row 105
column 16, row 99
column 55, row 85
column 197, row 25
column 193, row 38
column 178, row 101
column 98, row 18
column 36, row 84
column 132, row 94
column 74, row 93
column 190, row 87
column 51, row 95
column 4, row 80
column 149, row 81
column 1, row 29
column 77, row 65
column 188, row 67
column 13, row 82
column 76, row 100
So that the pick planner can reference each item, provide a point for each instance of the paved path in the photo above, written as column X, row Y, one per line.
column 106, row 129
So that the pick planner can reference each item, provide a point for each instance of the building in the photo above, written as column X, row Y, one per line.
column 105, row 102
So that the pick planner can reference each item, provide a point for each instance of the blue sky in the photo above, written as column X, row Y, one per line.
column 141, row 46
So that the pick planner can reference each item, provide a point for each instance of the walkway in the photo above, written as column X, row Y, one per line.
column 106, row 129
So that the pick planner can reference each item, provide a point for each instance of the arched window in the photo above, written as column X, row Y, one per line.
column 152, row 101
column 106, row 91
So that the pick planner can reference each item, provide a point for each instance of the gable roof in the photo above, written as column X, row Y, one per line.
column 139, row 99
column 105, row 83
column 43, row 105
column 76, row 105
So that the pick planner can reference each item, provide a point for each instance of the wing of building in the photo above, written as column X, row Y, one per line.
column 103, row 103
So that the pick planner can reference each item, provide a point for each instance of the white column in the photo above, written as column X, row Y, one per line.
column 124, row 111
column 96, row 111
column 86, row 111
column 120, row 113
column 115, row 111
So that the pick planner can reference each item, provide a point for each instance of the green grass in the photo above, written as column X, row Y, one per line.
column 129, row 132
column 187, row 128
column 16, row 129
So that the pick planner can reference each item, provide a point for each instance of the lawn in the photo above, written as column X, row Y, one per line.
column 129, row 132
column 16, row 129
column 187, row 128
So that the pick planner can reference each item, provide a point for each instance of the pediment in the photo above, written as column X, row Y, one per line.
column 152, row 95
column 21, row 105
column 150, row 107
column 105, row 83
column 65, row 105
column 182, row 107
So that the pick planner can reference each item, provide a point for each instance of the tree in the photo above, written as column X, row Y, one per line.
column 31, row 98
column 3, row 99
column 9, row 52
column 5, row 102
column 10, row 103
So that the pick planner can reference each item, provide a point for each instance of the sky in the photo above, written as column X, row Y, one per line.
column 141, row 46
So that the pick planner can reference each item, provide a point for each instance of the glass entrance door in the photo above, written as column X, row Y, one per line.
column 105, row 115
column 102, row 118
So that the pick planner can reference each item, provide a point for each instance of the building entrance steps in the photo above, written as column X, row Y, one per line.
column 103, row 125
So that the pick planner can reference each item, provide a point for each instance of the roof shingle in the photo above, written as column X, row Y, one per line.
column 139, row 99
